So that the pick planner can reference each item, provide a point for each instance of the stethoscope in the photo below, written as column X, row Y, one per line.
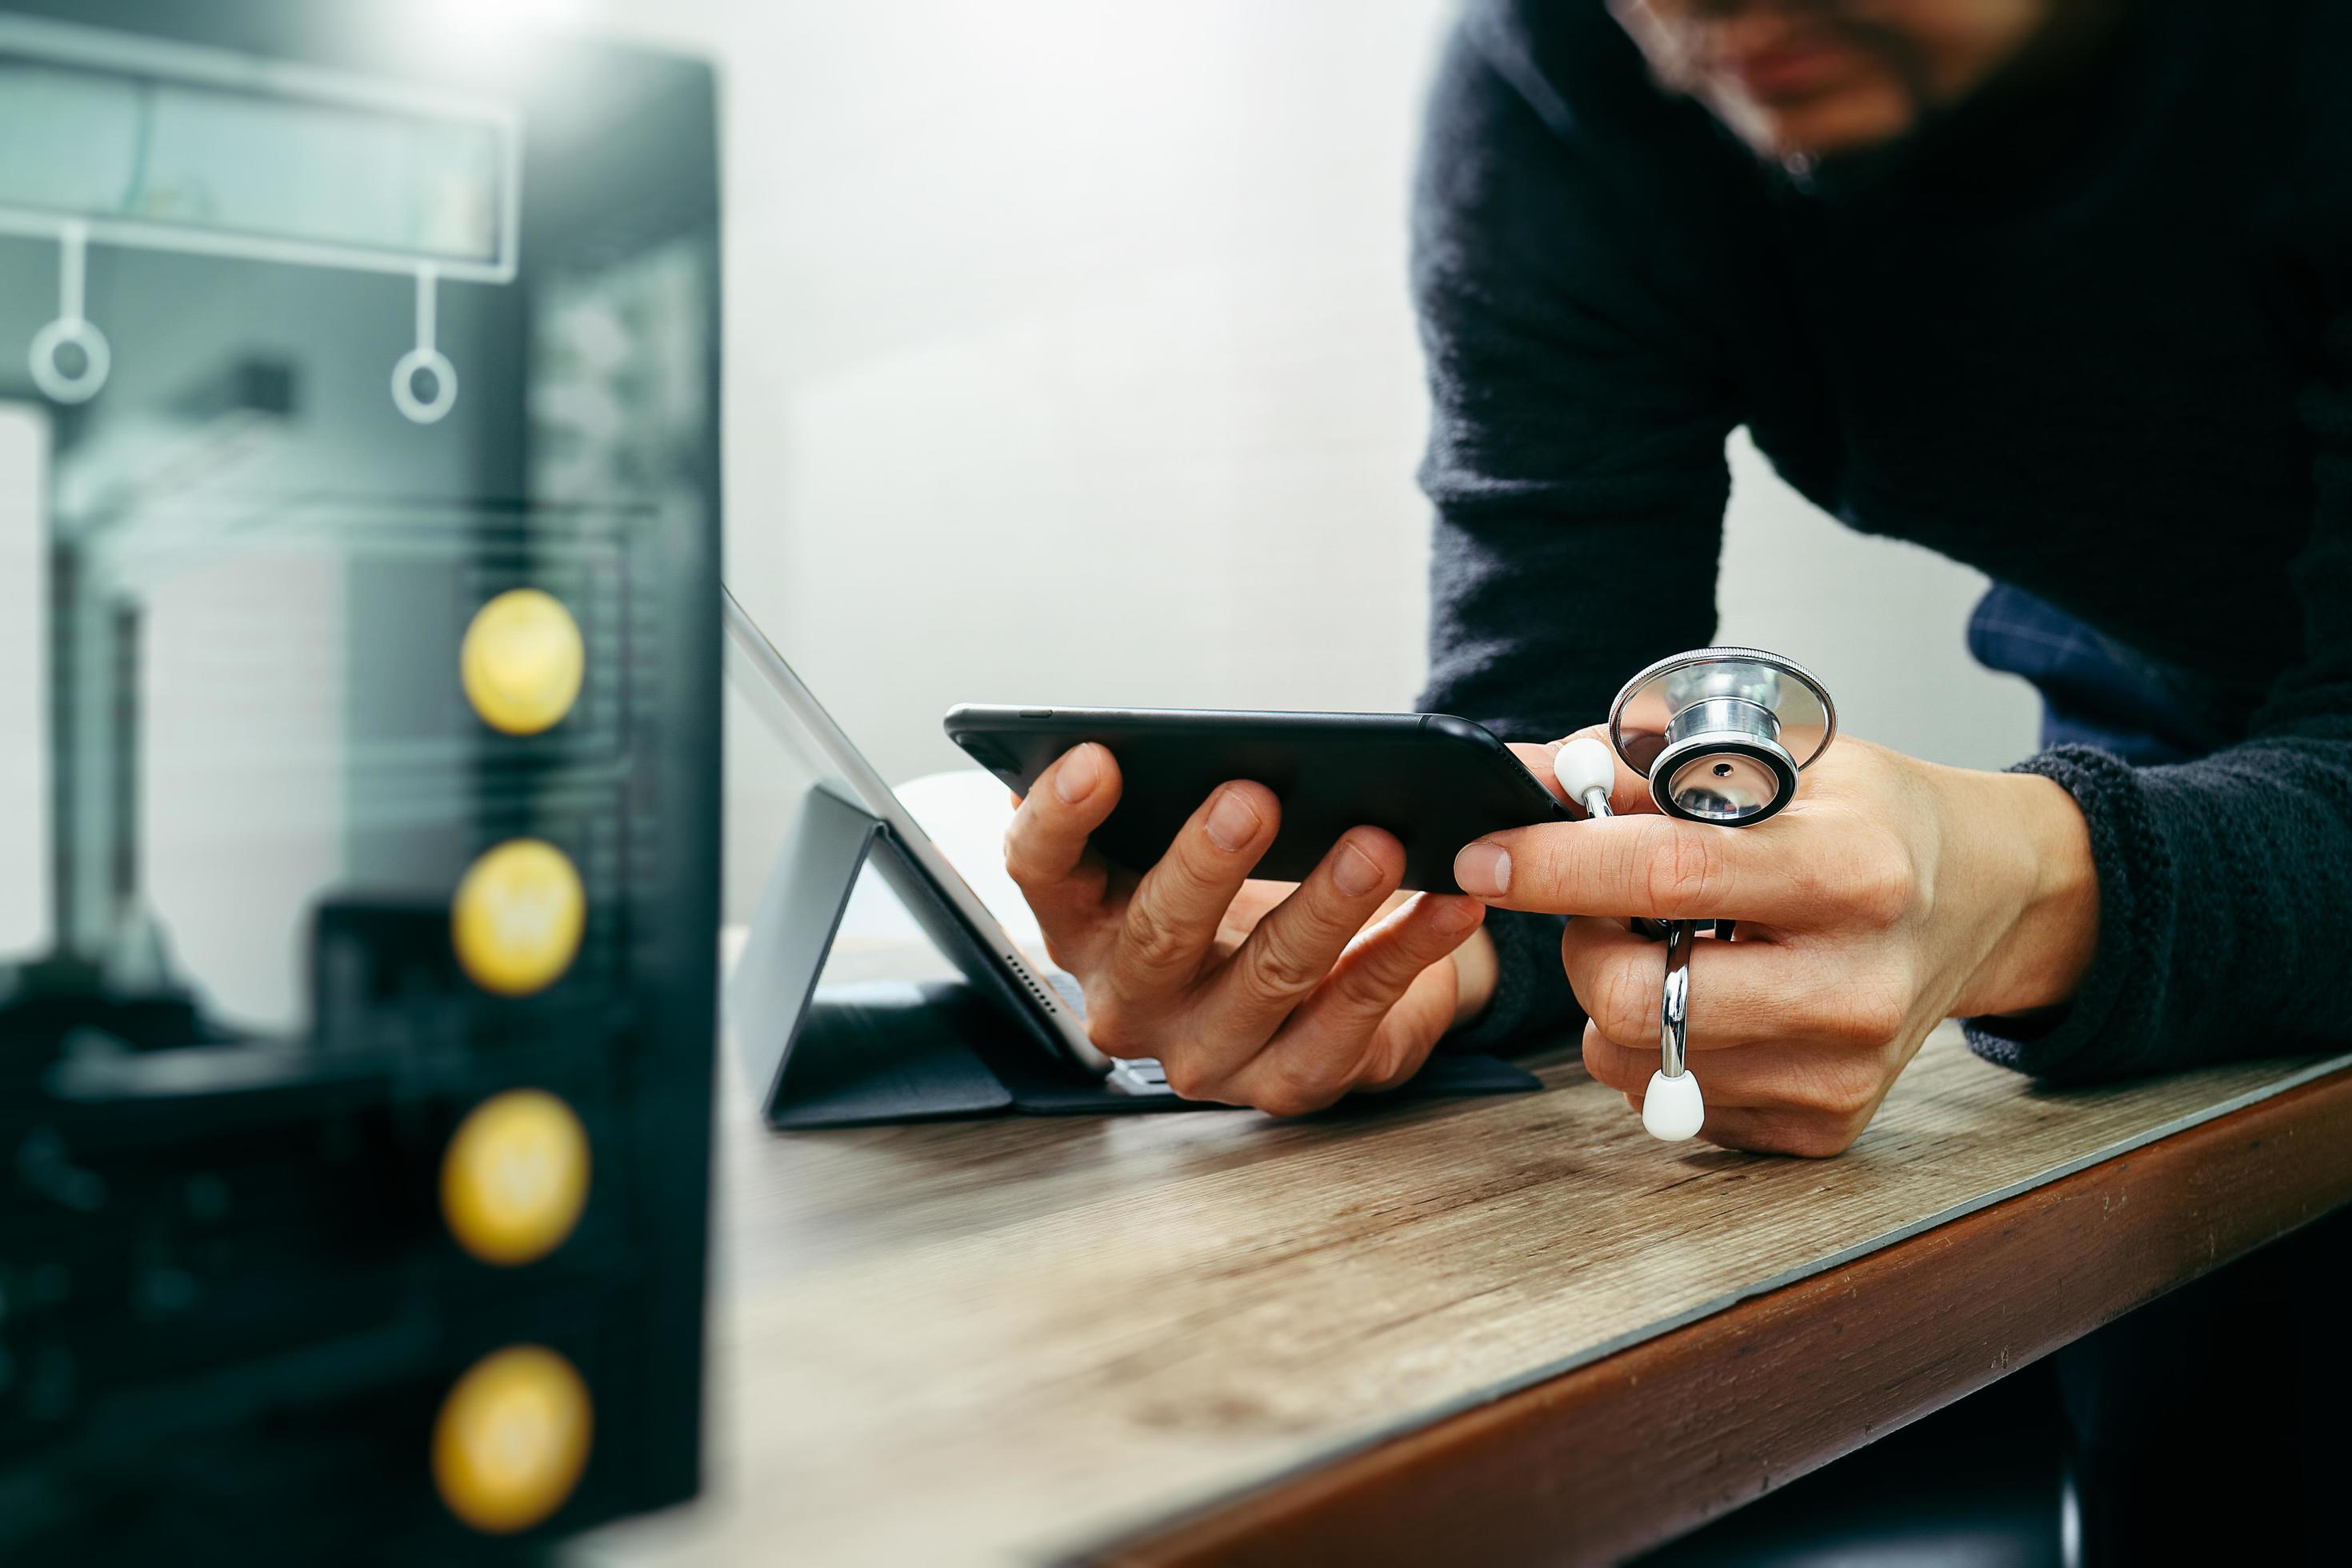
column 1721, row 733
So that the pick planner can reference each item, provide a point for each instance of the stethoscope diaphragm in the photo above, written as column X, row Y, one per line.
column 1721, row 733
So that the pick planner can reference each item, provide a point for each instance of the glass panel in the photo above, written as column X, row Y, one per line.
column 119, row 145
column 24, row 682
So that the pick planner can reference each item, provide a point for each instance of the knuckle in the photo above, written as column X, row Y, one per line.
column 1684, row 870
column 1868, row 1009
column 1624, row 1002
column 1808, row 1135
column 1821, row 1140
column 1812, row 884
column 1401, row 1044
column 1061, row 955
column 1193, row 861
column 1150, row 946
column 1371, row 974
column 1883, row 885
column 1279, row 961
column 1186, row 1079
column 1363, row 988
column 1188, row 868
column 1018, row 863
column 1596, row 1056
column 1875, row 1015
column 1110, row 1026
column 1623, row 861
column 1298, row 1087
column 1847, row 1092
column 1606, row 1063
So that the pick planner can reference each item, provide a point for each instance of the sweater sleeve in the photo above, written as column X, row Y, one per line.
column 2219, row 880
column 1575, row 458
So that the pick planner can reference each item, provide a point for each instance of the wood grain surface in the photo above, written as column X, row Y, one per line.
column 1641, row 1446
column 1018, row 1339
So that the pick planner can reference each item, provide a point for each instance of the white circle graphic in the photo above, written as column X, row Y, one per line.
column 424, row 411
column 54, row 379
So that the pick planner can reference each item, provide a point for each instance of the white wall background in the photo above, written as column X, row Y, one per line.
column 1069, row 361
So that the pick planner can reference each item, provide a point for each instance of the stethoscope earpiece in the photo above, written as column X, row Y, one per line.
column 1721, row 733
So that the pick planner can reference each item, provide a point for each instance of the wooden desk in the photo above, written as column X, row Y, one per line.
column 1439, row 1330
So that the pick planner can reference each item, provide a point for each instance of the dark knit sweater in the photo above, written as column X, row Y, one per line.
column 2093, row 339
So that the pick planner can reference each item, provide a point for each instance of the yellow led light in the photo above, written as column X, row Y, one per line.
column 515, row 1177
column 512, row 1440
column 521, row 661
column 517, row 917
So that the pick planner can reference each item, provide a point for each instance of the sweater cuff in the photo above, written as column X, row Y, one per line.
column 1531, row 992
column 2101, row 1030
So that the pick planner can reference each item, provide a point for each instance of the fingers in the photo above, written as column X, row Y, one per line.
column 1412, row 1029
column 1046, row 849
column 1791, row 870
column 1741, row 993
column 1169, row 925
column 1818, row 1079
column 1384, row 1004
column 1374, row 1021
column 1812, row 1100
column 1808, row 1137
column 1295, row 946
column 1367, row 1024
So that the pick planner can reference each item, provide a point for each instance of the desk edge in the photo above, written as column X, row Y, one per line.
column 1505, row 1474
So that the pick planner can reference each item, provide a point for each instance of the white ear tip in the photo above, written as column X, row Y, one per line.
column 1583, row 765
column 1673, row 1110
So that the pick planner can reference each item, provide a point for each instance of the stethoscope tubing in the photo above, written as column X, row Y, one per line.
column 1673, row 1000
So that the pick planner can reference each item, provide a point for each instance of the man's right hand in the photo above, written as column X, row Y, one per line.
column 1258, row 994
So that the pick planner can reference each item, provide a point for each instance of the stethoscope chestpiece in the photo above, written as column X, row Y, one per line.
column 1722, row 732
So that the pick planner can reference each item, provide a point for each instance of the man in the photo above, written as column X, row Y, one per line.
column 2038, row 283
column 2061, row 289
column 2058, row 286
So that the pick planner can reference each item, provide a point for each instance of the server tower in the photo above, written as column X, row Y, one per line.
column 359, row 771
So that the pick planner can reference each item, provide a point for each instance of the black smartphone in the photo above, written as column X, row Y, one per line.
column 1434, row 781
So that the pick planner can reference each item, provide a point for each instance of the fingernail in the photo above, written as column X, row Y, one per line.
column 1079, row 773
column 1456, row 915
column 1353, row 872
column 1232, row 821
column 1483, row 870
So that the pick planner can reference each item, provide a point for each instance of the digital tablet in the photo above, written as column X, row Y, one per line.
column 944, row 903
column 1434, row 781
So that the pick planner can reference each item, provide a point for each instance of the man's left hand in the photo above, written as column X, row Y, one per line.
column 1890, row 895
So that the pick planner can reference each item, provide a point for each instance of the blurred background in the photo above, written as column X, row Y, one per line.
column 1068, row 360
column 359, row 777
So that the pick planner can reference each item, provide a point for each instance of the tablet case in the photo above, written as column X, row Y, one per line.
column 904, row 1051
